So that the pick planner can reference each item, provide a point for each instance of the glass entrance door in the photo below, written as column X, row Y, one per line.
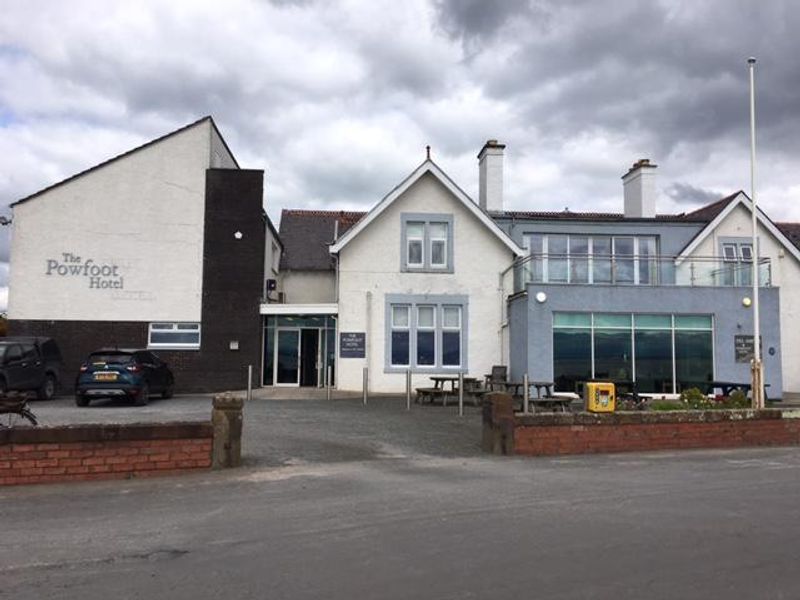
column 287, row 357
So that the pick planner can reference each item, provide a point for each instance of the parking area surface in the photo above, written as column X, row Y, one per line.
column 342, row 501
column 295, row 432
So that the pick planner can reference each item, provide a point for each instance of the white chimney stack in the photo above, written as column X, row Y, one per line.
column 490, row 176
column 639, row 190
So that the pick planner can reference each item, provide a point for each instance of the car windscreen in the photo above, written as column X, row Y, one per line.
column 109, row 358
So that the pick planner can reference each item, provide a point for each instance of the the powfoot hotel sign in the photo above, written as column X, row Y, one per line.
column 98, row 275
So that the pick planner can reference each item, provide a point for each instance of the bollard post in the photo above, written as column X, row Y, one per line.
column 461, row 394
column 366, row 383
column 226, row 419
column 328, row 378
column 249, row 382
column 408, row 389
column 526, row 394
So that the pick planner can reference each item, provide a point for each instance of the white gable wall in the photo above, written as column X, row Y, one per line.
column 785, row 274
column 139, row 217
column 371, row 263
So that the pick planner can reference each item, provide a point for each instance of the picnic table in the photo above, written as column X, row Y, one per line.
column 728, row 387
column 439, row 390
column 546, row 398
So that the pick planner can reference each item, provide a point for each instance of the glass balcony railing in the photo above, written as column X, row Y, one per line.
column 633, row 270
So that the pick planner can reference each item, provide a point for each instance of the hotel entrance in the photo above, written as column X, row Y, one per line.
column 299, row 350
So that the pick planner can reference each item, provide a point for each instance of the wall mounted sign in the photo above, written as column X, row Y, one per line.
column 352, row 344
column 743, row 348
column 99, row 276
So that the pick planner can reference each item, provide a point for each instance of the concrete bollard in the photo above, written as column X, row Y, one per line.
column 226, row 419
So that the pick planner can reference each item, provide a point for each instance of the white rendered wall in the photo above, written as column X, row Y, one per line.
column 219, row 157
column 308, row 287
column 141, row 216
column 785, row 274
column 371, row 263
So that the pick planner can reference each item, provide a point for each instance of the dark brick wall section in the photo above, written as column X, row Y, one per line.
column 233, row 279
column 89, row 452
column 233, row 275
column 585, row 433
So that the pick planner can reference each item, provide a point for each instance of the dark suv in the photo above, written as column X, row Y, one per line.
column 116, row 373
column 30, row 364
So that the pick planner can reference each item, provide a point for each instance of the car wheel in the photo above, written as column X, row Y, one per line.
column 48, row 389
column 81, row 400
column 168, row 390
column 143, row 397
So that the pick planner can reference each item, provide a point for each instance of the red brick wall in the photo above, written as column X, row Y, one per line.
column 584, row 433
column 60, row 454
column 586, row 439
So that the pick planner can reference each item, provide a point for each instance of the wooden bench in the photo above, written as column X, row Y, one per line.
column 431, row 394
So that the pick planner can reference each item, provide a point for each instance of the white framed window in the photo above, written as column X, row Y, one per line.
column 426, row 336
column 426, row 243
column 729, row 253
column 415, row 244
column 176, row 336
column 401, row 335
column 451, row 336
column 746, row 252
column 437, row 234
column 426, row 332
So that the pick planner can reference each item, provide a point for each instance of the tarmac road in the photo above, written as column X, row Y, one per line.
column 396, row 521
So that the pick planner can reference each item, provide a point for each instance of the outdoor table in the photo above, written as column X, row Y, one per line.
column 727, row 387
column 545, row 397
column 440, row 386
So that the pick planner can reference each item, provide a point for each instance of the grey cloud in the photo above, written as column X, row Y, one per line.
column 471, row 20
column 686, row 194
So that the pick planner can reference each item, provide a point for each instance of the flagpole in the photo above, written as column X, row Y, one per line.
column 757, row 368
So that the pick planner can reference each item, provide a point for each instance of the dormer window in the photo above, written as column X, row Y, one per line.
column 427, row 243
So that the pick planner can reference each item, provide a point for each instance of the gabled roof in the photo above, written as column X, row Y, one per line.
column 428, row 166
column 307, row 234
column 721, row 209
column 128, row 153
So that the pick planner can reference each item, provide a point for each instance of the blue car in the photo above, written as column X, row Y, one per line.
column 117, row 373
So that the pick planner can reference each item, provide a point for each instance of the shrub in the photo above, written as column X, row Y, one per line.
column 666, row 405
column 737, row 399
column 695, row 399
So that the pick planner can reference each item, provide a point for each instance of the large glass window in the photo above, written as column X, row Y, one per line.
column 662, row 353
column 613, row 353
column 561, row 258
column 653, row 350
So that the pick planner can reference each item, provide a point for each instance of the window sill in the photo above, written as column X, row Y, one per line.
column 172, row 348
column 440, row 270
column 432, row 370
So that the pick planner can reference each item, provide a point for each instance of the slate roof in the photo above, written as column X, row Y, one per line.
column 306, row 235
column 791, row 231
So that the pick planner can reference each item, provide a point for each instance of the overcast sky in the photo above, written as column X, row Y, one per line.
column 337, row 100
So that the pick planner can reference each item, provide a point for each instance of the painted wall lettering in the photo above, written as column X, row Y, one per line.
column 99, row 276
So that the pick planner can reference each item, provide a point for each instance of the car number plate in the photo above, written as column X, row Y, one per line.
column 105, row 376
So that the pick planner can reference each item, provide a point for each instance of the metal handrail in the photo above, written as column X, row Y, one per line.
column 661, row 270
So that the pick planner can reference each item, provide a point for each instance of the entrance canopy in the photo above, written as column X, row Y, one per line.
column 300, row 309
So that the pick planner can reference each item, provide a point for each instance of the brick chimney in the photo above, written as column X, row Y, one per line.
column 490, row 176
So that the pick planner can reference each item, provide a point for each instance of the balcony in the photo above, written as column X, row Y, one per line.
column 638, row 270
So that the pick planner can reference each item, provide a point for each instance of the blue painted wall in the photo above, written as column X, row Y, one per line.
column 730, row 318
